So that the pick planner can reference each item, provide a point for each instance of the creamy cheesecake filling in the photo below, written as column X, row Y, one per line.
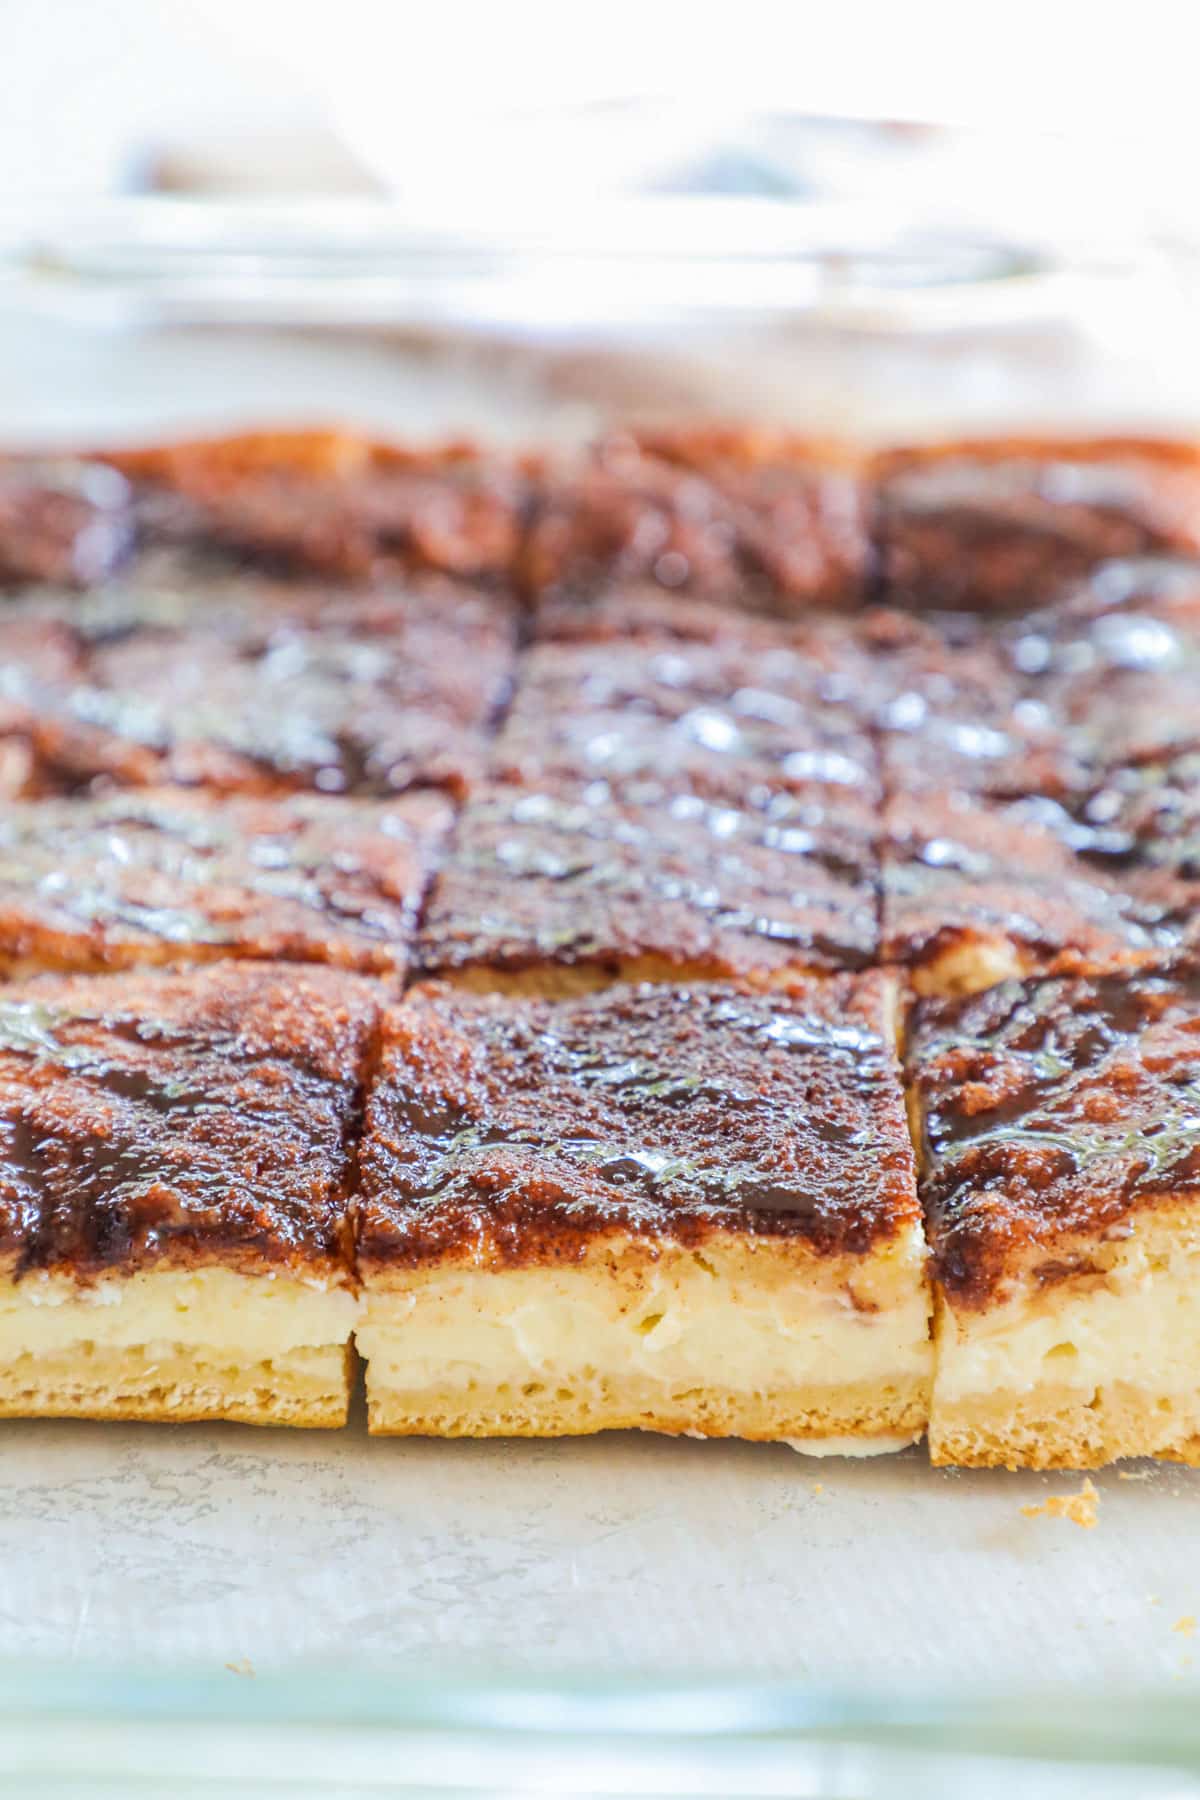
column 743, row 1319
column 236, row 1318
column 1087, row 1354
column 1133, row 1319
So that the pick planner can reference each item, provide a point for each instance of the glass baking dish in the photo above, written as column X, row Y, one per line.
column 208, row 1609
column 352, row 1732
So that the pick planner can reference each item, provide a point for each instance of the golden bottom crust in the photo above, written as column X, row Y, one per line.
column 863, row 1410
column 563, row 981
column 744, row 1339
column 1053, row 1426
column 165, row 1383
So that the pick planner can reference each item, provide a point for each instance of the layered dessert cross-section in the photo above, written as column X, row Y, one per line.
column 1060, row 1128
column 161, row 875
column 681, row 1209
column 174, row 1153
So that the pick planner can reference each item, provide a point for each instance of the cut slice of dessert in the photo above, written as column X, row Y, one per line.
column 162, row 875
column 975, row 893
column 999, row 523
column 563, row 887
column 654, row 716
column 173, row 1175
column 758, row 518
column 682, row 1209
column 1060, row 1126
column 179, row 673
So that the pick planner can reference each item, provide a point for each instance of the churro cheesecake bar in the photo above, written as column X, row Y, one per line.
column 183, row 673
column 652, row 716
column 164, row 875
column 974, row 893
column 563, row 886
column 682, row 1209
column 1047, row 703
column 333, row 503
column 1060, row 1141
column 173, row 1193
column 1005, row 523
column 758, row 518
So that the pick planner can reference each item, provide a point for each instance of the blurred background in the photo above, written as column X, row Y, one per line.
column 528, row 220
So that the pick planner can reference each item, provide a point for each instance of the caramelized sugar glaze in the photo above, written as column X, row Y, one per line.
column 741, row 705
column 182, row 671
column 198, row 1116
column 1053, row 1108
column 518, row 1131
column 120, row 878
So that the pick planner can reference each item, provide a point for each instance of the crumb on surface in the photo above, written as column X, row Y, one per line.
column 1185, row 1626
column 1080, row 1508
column 243, row 1666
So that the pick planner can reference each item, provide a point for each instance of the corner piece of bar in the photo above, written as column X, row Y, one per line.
column 680, row 1209
column 1061, row 1149
column 179, row 675
column 1000, row 524
column 174, row 1238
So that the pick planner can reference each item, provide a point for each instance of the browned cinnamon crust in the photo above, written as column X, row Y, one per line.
column 753, row 517
column 1050, row 1111
column 513, row 1132
column 62, row 521
column 973, row 892
column 336, row 504
column 566, row 877
column 168, row 875
column 193, row 1118
column 34, row 652
column 182, row 675
column 1003, row 523
column 654, row 717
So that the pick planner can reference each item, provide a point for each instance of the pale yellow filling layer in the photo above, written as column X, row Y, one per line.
column 744, row 1319
column 1133, row 1318
column 247, row 1318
